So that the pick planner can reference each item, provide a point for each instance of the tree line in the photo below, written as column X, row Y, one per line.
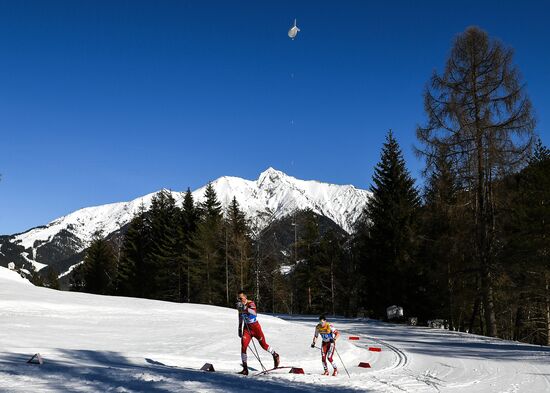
column 470, row 245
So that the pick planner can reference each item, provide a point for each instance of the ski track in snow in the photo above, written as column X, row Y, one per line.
column 113, row 344
column 419, row 359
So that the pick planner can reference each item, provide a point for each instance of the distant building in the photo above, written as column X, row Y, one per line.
column 394, row 312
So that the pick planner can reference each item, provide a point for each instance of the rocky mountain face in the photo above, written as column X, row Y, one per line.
column 268, row 201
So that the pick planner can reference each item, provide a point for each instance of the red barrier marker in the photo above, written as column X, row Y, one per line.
column 353, row 337
column 375, row 349
column 364, row 365
column 296, row 370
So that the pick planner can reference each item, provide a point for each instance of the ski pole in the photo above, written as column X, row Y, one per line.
column 255, row 352
column 335, row 350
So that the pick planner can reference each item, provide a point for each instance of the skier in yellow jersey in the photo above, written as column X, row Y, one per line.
column 329, row 335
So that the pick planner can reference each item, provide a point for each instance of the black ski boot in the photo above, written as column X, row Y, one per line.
column 275, row 360
column 245, row 369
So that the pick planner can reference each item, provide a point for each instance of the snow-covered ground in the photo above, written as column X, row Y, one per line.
column 111, row 344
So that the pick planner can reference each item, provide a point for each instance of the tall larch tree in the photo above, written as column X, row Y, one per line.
column 478, row 108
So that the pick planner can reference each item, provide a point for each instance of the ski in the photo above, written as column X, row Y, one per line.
column 271, row 369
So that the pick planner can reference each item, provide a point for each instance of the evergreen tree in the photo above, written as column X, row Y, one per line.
column 208, row 249
column 525, row 252
column 164, row 255
column 188, row 226
column 52, row 279
column 76, row 281
column 238, row 245
column 99, row 266
column 541, row 153
column 306, row 269
column 329, row 273
column 443, row 274
column 389, row 232
column 36, row 279
column 135, row 266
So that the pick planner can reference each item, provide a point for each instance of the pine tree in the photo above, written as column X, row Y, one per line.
column 188, row 226
column 525, row 251
column 76, row 281
column 238, row 245
column 208, row 249
column 390, row 232
column 52, row 278
column 306, row 268
column 443, row 245
column 541, row 153
column 99, row 266
column 328, row 273
column 164, row 216
column 135, row 266
column 36, row 279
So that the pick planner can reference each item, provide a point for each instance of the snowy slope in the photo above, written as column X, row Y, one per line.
column 273, row 195
column 10, row 275
column 112, row 344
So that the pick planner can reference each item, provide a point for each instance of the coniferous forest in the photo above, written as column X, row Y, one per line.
column 469, row 242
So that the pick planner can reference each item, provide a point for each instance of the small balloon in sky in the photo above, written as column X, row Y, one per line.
column 293, row 30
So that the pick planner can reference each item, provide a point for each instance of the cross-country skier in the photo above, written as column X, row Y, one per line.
column 250, row 327
column 329, row 335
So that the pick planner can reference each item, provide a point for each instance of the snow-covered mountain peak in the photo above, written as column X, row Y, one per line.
column 272, row 196
column 271, row 176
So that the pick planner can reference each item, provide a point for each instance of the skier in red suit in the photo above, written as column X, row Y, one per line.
column 249, row 327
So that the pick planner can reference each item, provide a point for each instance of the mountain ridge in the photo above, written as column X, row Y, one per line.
column 272, row 196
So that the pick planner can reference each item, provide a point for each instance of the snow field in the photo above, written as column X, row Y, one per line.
column 76, row 331
column 96, row 343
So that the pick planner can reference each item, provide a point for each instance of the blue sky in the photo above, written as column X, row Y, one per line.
column 104, row 101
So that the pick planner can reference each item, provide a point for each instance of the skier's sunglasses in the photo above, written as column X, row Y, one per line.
column 240, row 298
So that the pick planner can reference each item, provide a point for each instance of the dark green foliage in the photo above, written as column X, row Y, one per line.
column 307, row 263
column 36, row 279
column 238, row 251
column 135, row 267
column 155, row 259
column 444, row 273
column 99, row 268
column 76, row 282
column 316, row 282
column 330, row 276
column 208, row 250
column 525, row 252
column 164, row 255
column 541, row 154
column 52, row 280
column 188, row 221
column 387, row 239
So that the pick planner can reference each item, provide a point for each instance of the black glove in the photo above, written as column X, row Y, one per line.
column 331, row 341
column 240, row 333
column 312, row 345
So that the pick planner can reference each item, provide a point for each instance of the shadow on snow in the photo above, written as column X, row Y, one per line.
column 436, row 342
column 110, row 371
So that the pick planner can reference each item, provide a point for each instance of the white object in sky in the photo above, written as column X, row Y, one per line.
column 293, row 30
